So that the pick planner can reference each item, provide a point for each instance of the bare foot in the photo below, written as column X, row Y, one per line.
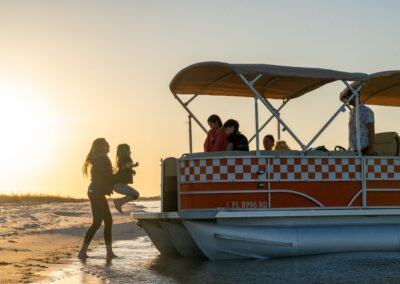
column 111, row 256
column 82, row 255
column 118, row 207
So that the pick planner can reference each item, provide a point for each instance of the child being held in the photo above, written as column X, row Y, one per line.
column 124, row 176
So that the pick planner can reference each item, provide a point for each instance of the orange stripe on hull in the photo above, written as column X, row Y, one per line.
column 334, row 194
column 329, row 194
column 225, row 200
column 321, row 185
column 383, row 184
column 383, row 198
column 216, row 186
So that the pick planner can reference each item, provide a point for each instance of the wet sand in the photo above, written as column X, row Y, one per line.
column 36, row 240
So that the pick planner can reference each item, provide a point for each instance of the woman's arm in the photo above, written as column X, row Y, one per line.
column 207, row 142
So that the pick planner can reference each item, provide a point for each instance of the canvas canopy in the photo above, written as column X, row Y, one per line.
column 382, row 88
column 277, row 82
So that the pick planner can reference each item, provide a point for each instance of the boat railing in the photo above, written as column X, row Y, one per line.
column 268, row 153
column 237, row 180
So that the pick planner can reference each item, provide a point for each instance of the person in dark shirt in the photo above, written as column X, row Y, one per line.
column 102, row 182
column 124, row 176
column 236, row 140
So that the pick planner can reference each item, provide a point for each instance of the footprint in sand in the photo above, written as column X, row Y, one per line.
column 31, row 226
column 69, row 214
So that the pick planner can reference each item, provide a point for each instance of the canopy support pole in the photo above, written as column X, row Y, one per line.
column 268, row 120
column 257, row 130
column 256, row 116
column 341, row 109
column 190, row 100
column 190, row 135
column 191, row 115
column 278, row 125
column 272, row 110
column 188, row 110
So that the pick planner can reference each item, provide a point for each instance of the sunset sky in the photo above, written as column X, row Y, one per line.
column 72, row 71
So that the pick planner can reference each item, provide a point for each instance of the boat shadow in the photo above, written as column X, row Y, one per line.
column 326, row 268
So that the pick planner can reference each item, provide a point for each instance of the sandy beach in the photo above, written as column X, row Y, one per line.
column 38, row 239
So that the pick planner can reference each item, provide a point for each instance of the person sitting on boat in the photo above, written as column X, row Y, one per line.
column 367, row 128
column 236, row 140
column 281, row 145
column 216, row 138
column 268, row 142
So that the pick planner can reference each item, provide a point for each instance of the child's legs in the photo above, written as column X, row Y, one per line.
column 127, row 190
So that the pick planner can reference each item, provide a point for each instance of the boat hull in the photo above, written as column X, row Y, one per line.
column 220, row 242
column 269, row 234
column 168, row 234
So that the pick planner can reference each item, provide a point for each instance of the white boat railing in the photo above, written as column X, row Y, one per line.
column 263, row 170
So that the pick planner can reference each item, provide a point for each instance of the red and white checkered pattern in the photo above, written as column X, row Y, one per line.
column 274, row 169
column 221, row 170
column 382, row 169
column 287, row 169
column 314, row 169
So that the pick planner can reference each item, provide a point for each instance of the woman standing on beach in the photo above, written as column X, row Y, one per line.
column 101, row 173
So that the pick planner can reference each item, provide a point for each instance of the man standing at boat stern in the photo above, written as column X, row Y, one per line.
column 367, row 129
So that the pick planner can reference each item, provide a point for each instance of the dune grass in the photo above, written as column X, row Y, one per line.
column 29, row 198
column 151, row 198
column 36, row 199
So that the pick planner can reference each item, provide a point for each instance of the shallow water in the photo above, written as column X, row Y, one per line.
column 140, row 262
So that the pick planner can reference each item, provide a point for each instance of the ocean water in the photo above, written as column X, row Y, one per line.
column 140, row 262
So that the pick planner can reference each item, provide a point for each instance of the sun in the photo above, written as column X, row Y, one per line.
column 27, row 132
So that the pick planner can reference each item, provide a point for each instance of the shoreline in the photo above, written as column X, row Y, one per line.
column 29, row 257
column 38, row 199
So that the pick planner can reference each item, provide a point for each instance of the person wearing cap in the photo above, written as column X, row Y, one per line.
column 367, row 127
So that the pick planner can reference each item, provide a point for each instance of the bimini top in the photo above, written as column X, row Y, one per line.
column 382, row 88
column 277, row 82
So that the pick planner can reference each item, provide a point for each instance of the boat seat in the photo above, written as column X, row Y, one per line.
column 221, row 154
column 283, row 153
column 316, row 153
column 387, row 144
column 342, row 153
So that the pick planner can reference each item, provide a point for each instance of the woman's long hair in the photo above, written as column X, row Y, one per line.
column 123, row 152
column 215, row 119
column 96, row 149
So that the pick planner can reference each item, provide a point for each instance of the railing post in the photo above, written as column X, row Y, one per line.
column 364, row 181
column 190, row 135
column 257, row 131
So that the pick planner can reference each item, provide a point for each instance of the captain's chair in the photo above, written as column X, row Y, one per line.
column 387, row 144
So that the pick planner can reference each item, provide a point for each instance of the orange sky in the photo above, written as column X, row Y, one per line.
column 72, row 71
